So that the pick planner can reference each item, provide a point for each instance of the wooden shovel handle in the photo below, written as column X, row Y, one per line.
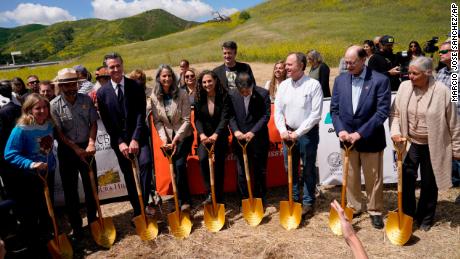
column 348, row 147
column 135, row 167
column 247, row 173
column 290, row 145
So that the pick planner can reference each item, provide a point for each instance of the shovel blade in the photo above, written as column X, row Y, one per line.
column 398, row 231
column 180, row 224
column 147, row 229
column 103, row 235
column 61, row 249
column 334, row 220
column 290, row 217
column 214, row 220
column 253, row 211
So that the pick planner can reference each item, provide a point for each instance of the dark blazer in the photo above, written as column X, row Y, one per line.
column 123, row 127
column 372, row 111
column 259, row 111
column 218, row 123
column 324, row 72
column 238, row 68
column 8, row 116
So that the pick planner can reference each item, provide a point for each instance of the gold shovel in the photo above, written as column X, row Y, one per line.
column 334, row 219
column 59, row 247
column 399, row 225
column 214, row 214
column 146, row 228
column 253, row 209
column 290, row 211
column 179, row 222
column 102, row 229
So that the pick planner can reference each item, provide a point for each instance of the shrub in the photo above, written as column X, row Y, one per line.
column 244, row 15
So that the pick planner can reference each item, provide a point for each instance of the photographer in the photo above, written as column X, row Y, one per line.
column 385, row 61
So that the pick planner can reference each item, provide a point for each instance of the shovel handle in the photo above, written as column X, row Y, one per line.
column 290, row 146
column 246, row 166
column 135, row 167
column 400, row 149
column 348, row 147
column 173, row 182
column 211, row 174
column 94, row 189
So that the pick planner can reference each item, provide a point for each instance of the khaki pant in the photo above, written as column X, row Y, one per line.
column 372, row 166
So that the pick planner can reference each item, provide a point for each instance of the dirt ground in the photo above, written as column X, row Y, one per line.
column 313, row 238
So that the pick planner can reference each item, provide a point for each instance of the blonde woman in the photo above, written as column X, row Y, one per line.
column 28, row 151
column 278, row 76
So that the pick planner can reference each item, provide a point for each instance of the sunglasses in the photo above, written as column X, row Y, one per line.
column 34, row 82
column 189, row 76
column 444, row 51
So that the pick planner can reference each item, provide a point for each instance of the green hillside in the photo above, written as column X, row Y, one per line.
column 281, row 26
column 71, row 39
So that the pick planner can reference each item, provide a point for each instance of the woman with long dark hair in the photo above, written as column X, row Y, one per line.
column 212, row 113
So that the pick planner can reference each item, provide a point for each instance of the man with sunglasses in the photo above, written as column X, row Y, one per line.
column 443, row 76
column 33, row 84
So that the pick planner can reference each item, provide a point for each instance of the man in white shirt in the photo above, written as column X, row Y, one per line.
column 298, row 105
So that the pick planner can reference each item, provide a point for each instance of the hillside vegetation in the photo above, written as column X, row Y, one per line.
column 278, row 27
column 71, row 39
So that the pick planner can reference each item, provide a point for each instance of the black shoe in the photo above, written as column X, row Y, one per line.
column 425, row 227
column 306, row 208
column 377, row 221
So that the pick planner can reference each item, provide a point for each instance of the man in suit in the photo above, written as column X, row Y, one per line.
column 252, row 108
column 228, row 71
column 360, row 105
column 122, row 106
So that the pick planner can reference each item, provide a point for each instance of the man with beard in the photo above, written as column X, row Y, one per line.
column 76, row 116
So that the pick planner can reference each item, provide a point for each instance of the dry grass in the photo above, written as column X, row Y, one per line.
column 312, row 239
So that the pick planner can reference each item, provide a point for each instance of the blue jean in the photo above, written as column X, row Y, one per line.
column 305, row 148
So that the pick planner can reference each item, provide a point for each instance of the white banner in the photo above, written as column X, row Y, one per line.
column 329, row 155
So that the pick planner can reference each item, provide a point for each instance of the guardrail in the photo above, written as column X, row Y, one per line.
column 38, row 64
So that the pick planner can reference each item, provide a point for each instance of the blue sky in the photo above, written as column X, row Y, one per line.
column 16, row 12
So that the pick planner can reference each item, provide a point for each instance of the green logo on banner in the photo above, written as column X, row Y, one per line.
column 328, row 119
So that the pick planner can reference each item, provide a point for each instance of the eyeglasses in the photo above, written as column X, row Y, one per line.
column 445, row 51
column 189, row 76
column 34, row 82
column 351, row 63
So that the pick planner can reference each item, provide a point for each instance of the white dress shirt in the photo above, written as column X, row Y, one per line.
column 122, row 83
column 246, row 100
column 298, row 104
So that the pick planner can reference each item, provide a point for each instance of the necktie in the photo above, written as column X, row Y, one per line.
column 120, row 94
column 120, row 97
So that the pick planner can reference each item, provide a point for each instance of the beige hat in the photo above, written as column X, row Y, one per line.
column 66, row 75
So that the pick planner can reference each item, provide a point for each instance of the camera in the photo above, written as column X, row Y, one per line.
column 403, row 59
column 430, row 45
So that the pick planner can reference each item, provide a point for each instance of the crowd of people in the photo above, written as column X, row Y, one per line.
column 227, row 100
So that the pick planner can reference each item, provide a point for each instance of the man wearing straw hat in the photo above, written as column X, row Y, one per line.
column 76, row 116
column 360, row 105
